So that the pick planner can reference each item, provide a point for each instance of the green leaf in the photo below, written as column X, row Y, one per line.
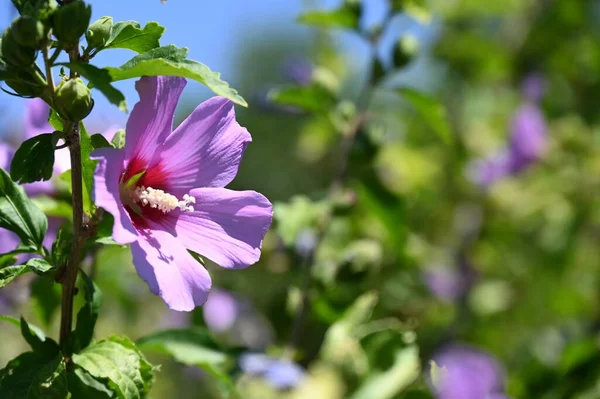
column 53, row 207
column 389, row 383
column 89, row 167
column 46, row 297
column 55, row 120
column 118, row 140
column 34, row 376
column 19, row 214
column 170, row 61
column 433, row 113
column 343, row 17
column 61, row 247
column 99, row 141
column 38, row 344
column 146, row 369
column 313, row 98
column 83, row 385
column 127, row 34
column 34, row 160
column 118, row 363
column 17, row 323
column 9, row 273
column 192, row 347
column 87, row 316
column 100, row 79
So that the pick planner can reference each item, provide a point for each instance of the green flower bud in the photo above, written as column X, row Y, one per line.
column 99, row 32
column 22, row 81
column 27, row 31
column 15, row 54
column 73, row 100
column 71, row 21
column 405, row 50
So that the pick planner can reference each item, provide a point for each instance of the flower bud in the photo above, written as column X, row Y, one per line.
column 99, row 32
column 22, row 81
column 405, row 50
column 15, row 54
column 27, row 31
column 71, row 21
column 73, row 99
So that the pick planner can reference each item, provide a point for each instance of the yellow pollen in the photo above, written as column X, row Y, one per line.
column 164, row 202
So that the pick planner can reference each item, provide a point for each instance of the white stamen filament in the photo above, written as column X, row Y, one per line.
column 164, row 202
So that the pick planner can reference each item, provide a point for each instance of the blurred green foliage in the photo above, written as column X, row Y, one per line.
column 530, row 241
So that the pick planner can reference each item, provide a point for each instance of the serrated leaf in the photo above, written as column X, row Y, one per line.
column 170, row 61
column 118, row 140
column 343, row 17
column 432, row 112
column 34, row 376
column 83, row 385
column 99, row 141
column 87, row 316
column 120, row 364
column 100, row 79
column 313, row 98
column 146, row 369
column 19, row 214
column 129, row 35
column 388, row 384
column 34, row 160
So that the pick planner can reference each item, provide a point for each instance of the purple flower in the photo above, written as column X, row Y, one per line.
column 220, row 311
column 165, row 192
column 280, row 373
column 299, row 70
column 450, row 284
column 528, row 137
column 37, row 114
column 528, row 141
column 236, row 320
column 471, row 374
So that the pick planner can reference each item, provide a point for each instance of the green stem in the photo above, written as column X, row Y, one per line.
column 79, row 236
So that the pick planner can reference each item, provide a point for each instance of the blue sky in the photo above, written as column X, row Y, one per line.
column 212, row 30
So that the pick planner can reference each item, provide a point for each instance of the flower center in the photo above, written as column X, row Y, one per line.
column 164, row 202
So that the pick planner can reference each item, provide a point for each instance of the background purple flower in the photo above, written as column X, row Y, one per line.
column 279, row 373
column 450, row 283
column 236, row 320
column 471, row 374
column 527, row 142
column 298, row 69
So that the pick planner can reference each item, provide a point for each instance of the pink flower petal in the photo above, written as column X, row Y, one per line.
column 206, row 149
column 107, row 195
column 151, row 120
column 227, row 226
column 170, row 271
